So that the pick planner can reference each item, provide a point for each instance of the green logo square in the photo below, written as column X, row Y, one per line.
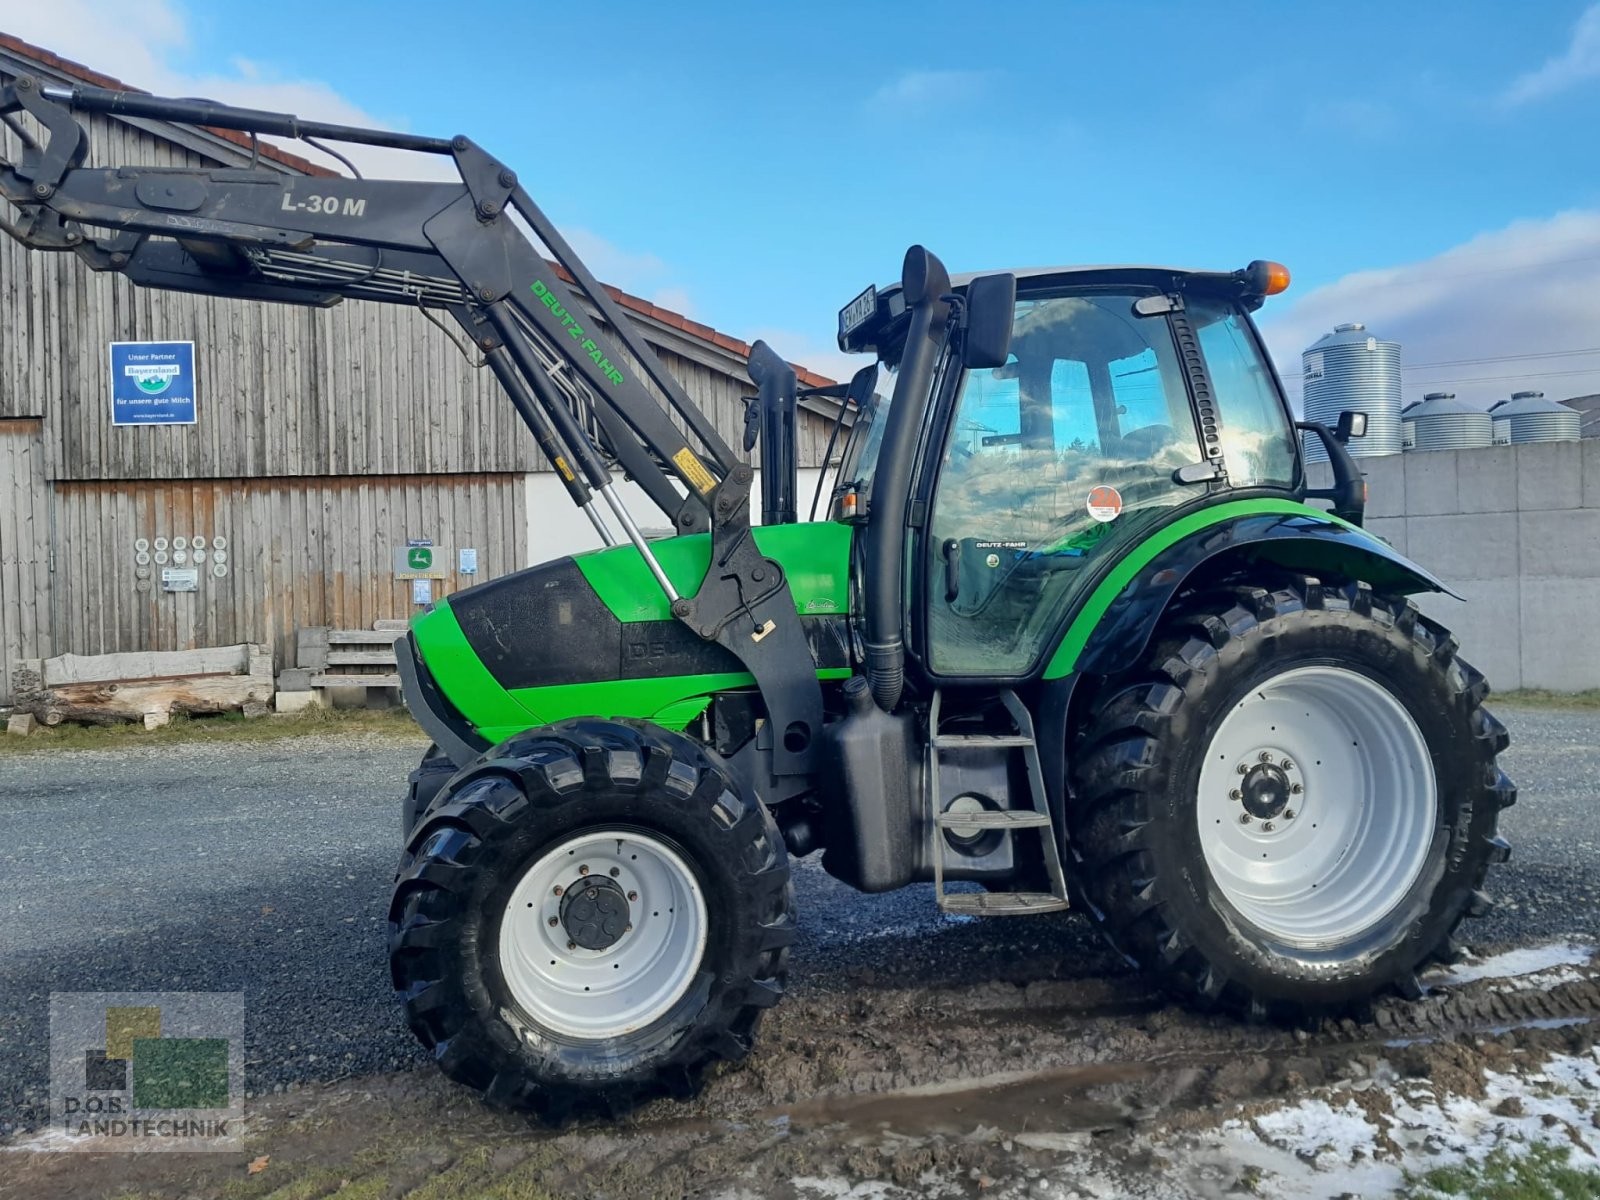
column 180, row 1072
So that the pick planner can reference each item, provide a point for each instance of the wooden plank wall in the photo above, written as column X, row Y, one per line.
column 24, row 549
column 300, row 553
column 362, row 388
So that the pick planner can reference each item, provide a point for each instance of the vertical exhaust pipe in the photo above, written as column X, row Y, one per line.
column 776, row 404
column 925, row 283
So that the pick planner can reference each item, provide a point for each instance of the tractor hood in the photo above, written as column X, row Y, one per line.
column 593, row 635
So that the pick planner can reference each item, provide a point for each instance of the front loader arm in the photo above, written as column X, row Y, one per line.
column 585, row 394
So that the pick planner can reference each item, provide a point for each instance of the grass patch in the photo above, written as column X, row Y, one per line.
column 223, row 727
column 1541, row 1173
column 1541, row 698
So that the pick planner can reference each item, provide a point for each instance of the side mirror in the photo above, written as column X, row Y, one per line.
column 1352, row 424
column 991, row 308
column 1349, row 490
column 861, row 384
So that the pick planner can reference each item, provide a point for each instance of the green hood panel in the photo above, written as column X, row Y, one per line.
column 671, row 702
column 461, row 675
column 815, row 555
column 594, row 635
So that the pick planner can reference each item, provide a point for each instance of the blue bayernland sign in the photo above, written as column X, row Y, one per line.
column 152, row 383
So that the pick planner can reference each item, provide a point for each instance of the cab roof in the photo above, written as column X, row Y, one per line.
column 963, row 278
column 881, row 331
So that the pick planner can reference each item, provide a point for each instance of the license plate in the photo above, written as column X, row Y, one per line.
column 859, row 311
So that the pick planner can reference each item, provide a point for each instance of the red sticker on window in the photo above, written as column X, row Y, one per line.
column 1105, row 504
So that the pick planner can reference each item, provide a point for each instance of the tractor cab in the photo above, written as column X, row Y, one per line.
column 1119, row 395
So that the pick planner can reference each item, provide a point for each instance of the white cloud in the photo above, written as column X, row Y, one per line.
column 1578, row 63
column 916, row 91
column 1530, row 289
column 675, row 298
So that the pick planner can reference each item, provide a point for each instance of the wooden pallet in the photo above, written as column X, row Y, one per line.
column 350, row 657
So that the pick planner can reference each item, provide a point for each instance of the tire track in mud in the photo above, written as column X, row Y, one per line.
column 953, row 1053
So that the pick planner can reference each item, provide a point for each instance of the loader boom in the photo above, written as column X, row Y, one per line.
column 595, row 400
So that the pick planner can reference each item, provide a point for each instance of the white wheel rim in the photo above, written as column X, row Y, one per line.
column 1356, row 820
column 603, row 993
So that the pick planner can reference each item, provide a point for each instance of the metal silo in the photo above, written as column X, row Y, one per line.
column 1441, row 422
column 1529, row 417
column 1502, row 425
column 1408, row 427
column 1352, row 369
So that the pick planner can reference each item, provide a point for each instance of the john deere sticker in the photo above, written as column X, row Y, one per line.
column 1105, row 503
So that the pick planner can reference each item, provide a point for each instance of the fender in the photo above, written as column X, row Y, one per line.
column 1113, row 627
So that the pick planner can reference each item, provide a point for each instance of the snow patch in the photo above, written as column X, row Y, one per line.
column 1526, row 960
column 1314, row 1125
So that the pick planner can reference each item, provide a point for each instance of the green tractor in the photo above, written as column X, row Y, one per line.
column 1068, row 631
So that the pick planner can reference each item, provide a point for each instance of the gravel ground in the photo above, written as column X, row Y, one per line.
column 265, row 868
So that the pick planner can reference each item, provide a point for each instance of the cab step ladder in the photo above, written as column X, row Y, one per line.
column 1035, row 818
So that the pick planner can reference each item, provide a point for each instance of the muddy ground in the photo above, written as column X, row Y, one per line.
column 981, row 1088
column 915, row 1054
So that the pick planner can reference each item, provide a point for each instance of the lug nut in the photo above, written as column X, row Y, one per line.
column 615, row 871
column 1288, row 814
column 583, row 870
column 1236, row 794
column 633, row 895
column 1264, row 757
column 553, row 921
column 628, row 928
column 1268, row 827
column 558, row 889
column 1296, row 788
column 572, row 945
column 1244, row 818
column 1287, row 765
column 1244, row 768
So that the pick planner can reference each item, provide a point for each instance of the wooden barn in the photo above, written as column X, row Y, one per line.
column 323, row 439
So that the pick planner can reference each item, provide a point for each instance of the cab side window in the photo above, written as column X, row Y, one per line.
column 1052, row 457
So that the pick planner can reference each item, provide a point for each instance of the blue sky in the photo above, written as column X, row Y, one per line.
column 1428, row 168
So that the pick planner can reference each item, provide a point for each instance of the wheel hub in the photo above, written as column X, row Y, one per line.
column 1265, row 791
column 595, row 913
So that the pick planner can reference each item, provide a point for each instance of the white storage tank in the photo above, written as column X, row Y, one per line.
column 1408, row 427
column 1529, row 417
column 1441, row 422
column 1502, row 425
column 1353, row 369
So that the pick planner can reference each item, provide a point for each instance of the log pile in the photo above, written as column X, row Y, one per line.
column 149, row 686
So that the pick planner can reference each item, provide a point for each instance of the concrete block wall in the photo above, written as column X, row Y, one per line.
column 1516, row 531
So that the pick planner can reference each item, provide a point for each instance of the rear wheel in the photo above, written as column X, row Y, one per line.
column 590, row 916
column 1291, row 802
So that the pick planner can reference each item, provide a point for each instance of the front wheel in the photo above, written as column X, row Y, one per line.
column 1291, row 803
column 590, row 916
